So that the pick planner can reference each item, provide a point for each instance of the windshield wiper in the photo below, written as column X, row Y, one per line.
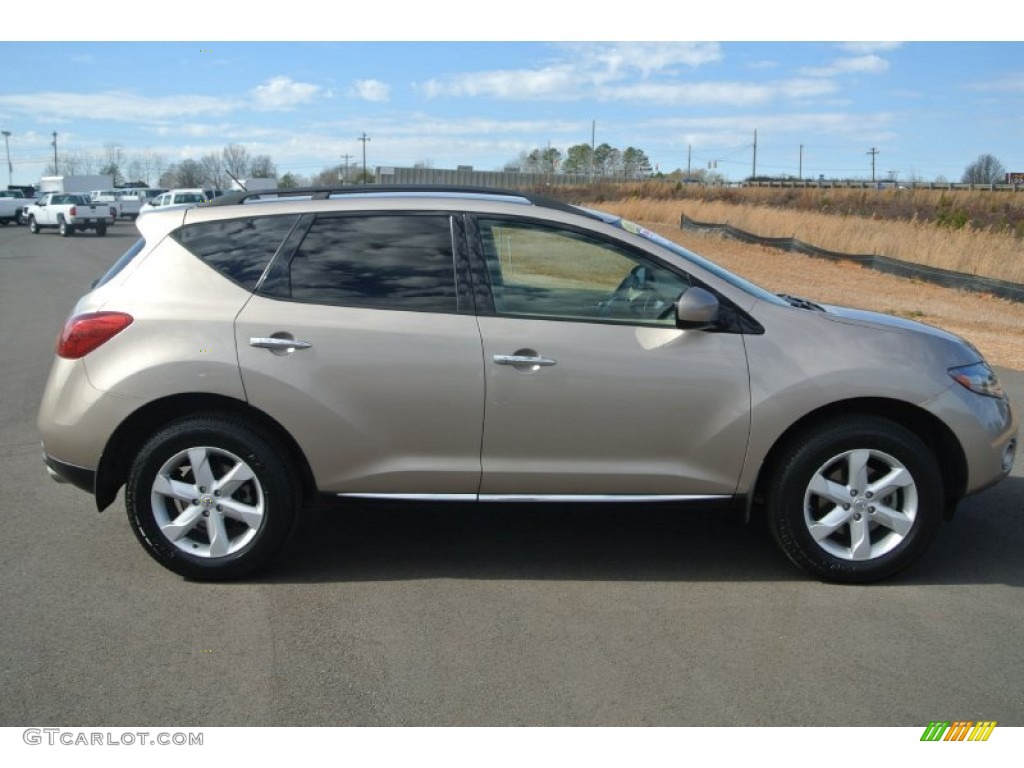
column 799, row 303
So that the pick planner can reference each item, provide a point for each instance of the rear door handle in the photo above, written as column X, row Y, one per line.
column 271, row 342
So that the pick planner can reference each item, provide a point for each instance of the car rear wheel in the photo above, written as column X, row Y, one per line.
column 211, row 498
column 855, row 500
column 64, row 229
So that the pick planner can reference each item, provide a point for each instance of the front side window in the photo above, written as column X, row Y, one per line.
column 385, row 261
column 539, row 270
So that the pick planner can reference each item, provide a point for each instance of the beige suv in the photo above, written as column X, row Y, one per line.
column 251, row 355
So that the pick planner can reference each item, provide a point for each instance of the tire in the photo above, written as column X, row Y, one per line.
column 832, row 513
column 101, row 230
column 64, row 229
column 4, row 222
column 177, row 513
column 33, row 227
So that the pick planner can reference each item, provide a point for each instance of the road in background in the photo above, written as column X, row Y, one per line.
column 465, row 615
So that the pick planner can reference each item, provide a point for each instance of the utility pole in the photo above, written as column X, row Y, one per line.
column 346, row 159
column 364, row 138
column 689, row 161
column 873, row 151
column 56, row 171
column 10, row 168
column 753, row 174
column 800, row 173
column 593, row 138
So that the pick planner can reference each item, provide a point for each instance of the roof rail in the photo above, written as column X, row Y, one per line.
column 326, row 193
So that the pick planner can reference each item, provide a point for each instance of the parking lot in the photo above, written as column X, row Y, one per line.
column 464, row 615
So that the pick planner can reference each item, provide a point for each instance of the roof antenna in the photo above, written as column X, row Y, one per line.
column 236, row 180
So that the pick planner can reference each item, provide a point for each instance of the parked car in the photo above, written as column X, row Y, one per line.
column 251, row 355
column 177, row 198
column 11, row 202
column 69, row 214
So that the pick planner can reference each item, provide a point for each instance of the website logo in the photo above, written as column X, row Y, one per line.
column 958, row 730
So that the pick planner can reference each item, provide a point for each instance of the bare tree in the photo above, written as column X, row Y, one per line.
column 135, row 170
column 985, row 170
column 112, row 162
column 153, row 163
column 262, row 167
column 187, row 173
column 235, row 160
column 213, row 170
column 76, row 163
column 328, row 177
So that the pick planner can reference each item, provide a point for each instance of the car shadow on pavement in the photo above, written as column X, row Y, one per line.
column 386, row 541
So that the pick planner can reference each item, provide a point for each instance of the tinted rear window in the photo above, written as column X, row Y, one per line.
column 240, row 249
column 396, row 262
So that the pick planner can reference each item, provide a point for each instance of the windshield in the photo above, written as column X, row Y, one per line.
column 717, row 270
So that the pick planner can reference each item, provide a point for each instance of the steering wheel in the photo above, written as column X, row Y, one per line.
column 637, row 296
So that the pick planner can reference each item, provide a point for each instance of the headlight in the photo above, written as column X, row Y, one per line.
column 978, row 378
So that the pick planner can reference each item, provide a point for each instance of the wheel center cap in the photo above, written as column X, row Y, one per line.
column 860, row 505
column 207, row 501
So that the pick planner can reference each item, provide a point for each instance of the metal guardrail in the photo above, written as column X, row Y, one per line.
column 944, row 277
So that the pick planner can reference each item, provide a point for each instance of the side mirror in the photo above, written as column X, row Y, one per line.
column 696, row 309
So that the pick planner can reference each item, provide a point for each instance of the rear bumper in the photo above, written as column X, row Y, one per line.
column 80, row 477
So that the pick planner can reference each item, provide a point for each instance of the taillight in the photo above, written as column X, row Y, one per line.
column 74, row 211
column 83, row 333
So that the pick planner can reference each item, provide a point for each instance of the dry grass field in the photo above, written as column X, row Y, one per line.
column 995, row 326
column 968, row 250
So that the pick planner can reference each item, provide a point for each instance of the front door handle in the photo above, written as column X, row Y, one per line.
column 523, row 360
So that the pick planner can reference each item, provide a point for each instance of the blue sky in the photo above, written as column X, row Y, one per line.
column 930, row 108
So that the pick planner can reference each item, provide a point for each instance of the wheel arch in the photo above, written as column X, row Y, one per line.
column 130, row 435
column 936, row 434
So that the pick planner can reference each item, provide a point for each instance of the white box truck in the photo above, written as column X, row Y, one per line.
column 75, row 185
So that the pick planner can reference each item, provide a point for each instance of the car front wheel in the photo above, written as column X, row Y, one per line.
column 211, row 498
column 855, row 500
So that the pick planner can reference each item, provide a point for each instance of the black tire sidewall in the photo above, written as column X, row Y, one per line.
column 806, row 456
column 263, row 456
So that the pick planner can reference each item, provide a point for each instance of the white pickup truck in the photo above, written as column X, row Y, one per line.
column 69, row 213
column 10, row 202
column 126, row 202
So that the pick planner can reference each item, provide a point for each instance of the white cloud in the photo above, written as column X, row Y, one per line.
column 282, row 92
column 511, row 84
column 370, row 90
column 647, row 58
column 1010, row 83
column 870, row 47
column 117, row 106
column 585, row 69
column 868, row 64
